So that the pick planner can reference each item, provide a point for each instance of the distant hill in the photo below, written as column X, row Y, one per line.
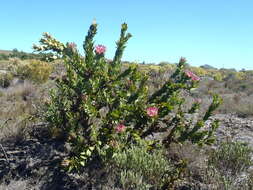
column 7, row 52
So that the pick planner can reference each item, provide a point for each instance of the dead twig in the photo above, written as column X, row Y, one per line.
column 5, row 154
column 5, row 122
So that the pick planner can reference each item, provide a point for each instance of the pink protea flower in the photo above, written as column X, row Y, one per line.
column 192, row 75
column 72, row 45
column 152, row 111
column 100, row 49
column 120, row 128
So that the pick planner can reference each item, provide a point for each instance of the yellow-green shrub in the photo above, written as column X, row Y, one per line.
column 35, row 70
column 240, row 75
column 199, row 71
column 218, row 76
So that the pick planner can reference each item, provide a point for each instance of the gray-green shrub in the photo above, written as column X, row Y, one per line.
column 231, row 157
column 139, row 168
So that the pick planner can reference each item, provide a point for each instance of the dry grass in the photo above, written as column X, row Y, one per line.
column 19, row 105
column 240, row 104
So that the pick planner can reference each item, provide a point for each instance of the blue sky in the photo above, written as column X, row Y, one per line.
column 214, row 32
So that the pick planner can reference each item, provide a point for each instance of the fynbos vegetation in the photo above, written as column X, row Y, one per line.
column 98, row 107
column 94, row 123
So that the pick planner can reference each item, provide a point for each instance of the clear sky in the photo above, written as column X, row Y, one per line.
column 214, row 32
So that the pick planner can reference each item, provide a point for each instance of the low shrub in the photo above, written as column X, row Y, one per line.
column 139, row 168
column 226, row 165
column 5, row 79
column 34, row 70
column 231, row 158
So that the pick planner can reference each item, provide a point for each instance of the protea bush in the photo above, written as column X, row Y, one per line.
column 99, row 108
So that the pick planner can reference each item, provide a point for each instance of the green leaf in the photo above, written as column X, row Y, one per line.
column 83, row 157
column 91, row 148
column 82, row 163
column 88, row 152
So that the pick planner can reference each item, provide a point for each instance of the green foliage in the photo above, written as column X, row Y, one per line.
column 97, row 102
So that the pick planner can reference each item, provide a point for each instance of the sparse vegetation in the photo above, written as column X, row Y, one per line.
column 231, row 158
column 228, row 162
column 123, row 125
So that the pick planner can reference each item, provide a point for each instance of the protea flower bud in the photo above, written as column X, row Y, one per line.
column 182, row 60
column 120, row 128
column 100, row 49
column 152, row 111
column 192, row 75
